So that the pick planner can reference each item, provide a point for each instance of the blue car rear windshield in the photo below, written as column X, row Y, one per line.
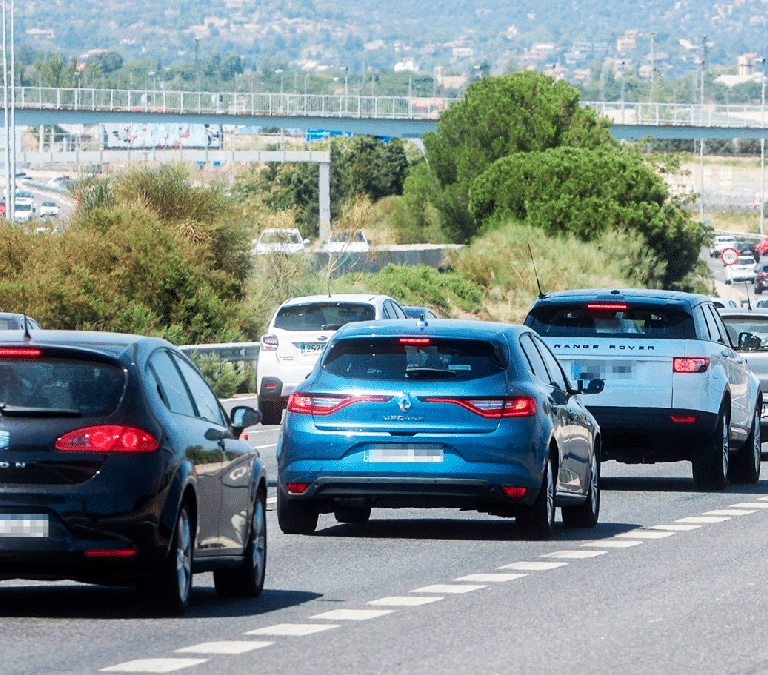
column 322, row 316
column 604, row 320
column 53, row 384
column 409, row 359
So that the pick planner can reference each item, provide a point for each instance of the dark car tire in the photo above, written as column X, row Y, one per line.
column 170, row 587
column 538, row 519
column 586, row 514
column 710, row 460
column 357, row 515
column 295, row 517
column 247, row 580
column 744, row 467
column 758, row 291
column 271, row 412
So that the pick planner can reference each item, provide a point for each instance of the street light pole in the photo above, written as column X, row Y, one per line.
column 197, row 63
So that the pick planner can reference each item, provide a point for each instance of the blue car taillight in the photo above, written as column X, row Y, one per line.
column 325, row 404
column 493, row 408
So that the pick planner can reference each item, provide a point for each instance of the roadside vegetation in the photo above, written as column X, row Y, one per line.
column 531, row 183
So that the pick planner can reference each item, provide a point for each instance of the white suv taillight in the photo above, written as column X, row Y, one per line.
column 269, row 343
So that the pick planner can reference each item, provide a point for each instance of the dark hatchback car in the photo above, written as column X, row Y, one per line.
column 118, row 465
column 444, row 414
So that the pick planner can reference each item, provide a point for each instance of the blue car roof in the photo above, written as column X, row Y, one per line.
column 465, row 328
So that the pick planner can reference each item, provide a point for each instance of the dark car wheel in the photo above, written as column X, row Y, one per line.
column 247, row 580
column 745, row 465
column 271, row 412
column 352, row 514
column 170, row 588
column 295, row 517
column 586, row 514
column 538, row 519
column 710, row 460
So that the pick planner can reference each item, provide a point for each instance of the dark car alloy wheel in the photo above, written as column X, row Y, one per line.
column 710, row 460
column 745, row 466
column 586, row 514
column 538, row 519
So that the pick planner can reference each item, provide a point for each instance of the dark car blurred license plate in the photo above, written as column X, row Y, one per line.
column 23, row 526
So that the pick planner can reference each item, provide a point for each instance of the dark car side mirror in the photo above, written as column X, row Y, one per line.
column 748, row 342
column 594, row 386
column 243, row 416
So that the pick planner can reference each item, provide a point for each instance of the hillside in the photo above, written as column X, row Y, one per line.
column 455, row 35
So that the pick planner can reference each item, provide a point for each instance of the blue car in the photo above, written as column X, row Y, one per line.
column 449, row 413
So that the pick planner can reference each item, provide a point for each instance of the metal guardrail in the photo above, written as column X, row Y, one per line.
column 227, row 351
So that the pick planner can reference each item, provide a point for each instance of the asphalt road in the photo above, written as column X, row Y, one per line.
column 671, row 580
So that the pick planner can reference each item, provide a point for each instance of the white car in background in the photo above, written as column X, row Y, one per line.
column 280, row 240
column 298, row 334
column 24, row 212
column 722, row 242
column 49, row 209
column 742, row 270
column 343, row 241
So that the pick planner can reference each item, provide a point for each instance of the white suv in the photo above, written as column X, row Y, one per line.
column 297, row 335
column 676, row 388
column 720, row 243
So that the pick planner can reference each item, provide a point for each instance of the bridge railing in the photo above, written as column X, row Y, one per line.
column 357, row 106
column 236, row 103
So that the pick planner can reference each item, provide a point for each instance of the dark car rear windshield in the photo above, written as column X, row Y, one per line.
column 325, row 316
column 52, row 384
column 606, row 320
column 403, row 359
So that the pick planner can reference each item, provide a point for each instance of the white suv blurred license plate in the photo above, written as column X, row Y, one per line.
column 404, row 453
column 23, row 526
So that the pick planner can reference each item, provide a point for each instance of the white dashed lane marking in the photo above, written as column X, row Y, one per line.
column 493, row 578
column 750, row 505
column 680, row 527
column 224, row 647
column 613, row 543
column 532, row 566
column 573, row 555
column 405, row 601
column 729, row 512
column 153, row 666
column 644, row 534
column 448, row 588
column 703, row 520
column 291, row 629
column 352, row 614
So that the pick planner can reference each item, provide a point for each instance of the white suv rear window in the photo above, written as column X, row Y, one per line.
column 322, row 316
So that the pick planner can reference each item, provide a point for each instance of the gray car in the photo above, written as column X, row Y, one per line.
column 748, row 330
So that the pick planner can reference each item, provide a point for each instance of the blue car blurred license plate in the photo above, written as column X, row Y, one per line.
column 23, row 526
column 404, row 453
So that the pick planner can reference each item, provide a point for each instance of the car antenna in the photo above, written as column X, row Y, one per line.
column 27, row 335
column 749, row 302
column 535, row 274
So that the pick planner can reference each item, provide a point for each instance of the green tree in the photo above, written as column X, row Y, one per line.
column 365, row 166
column 500, row 116
column 587, row 192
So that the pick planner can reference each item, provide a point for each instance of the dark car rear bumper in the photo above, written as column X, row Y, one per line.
column 648, row 435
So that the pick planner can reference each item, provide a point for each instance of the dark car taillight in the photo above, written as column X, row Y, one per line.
column 107, row 438
column 326, row 404
column 269, row 343
column 492, row 408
